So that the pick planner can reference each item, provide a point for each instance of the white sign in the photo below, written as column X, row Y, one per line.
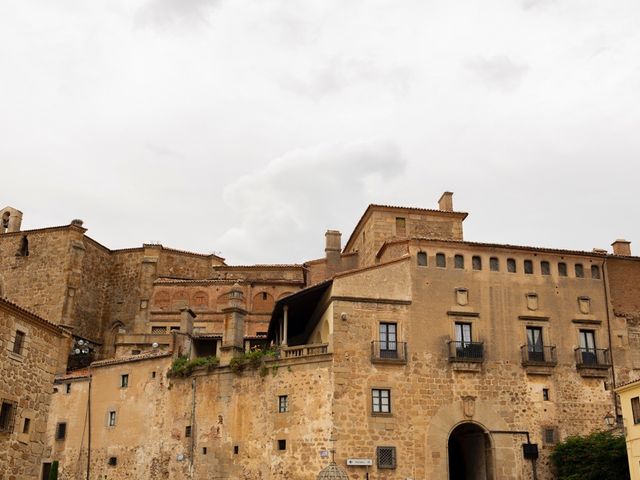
column 324, row 454
column 359, row 462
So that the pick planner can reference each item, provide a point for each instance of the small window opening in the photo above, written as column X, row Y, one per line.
column 494, row 264
column 236, row 448
column 545, row 268
column 23, row 251
column 476, row 262
column 595, row 272
column 7, row 412
column 562, row 269
column 204, row 450
column 187, row 431
column 136, row 352
column 282, row 444
column 545, row 394
column 67, row 388
column 26, row 425
column 441, row 260
column 124, row 380
column 386, row 457
column 511, row 265
column 458, row 261
column 111, row 420
column 579, row 270
column 153, row 374
column 528, row 267
column 401, row 227
column 549, row 436
column 283, row 403
column 113, row 461
column 61, row 431
column 5, row 222
column 264, row 295
column 18, row 343
column 422, row 259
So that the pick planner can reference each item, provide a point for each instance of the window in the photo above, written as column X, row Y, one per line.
column 588, row 347
column 61, row 430
column 7, row 412
column 545, row 394
column 386, row 457
column 283, row 403
column 236, row 448
column 153, row 374
column 562, row 269
column 401, row 227
column 204, row 450
column 111, row 419
column 113, row 461
column 494, row 264
column 635, row 409
column 24, row 247
column 136, row 352
column 18, row 343
column 528, row 267
column 545, row 268
column 264, row 295
column 282, row 444
column 124, row 380
column 187, row 431
column 26, row 425
column 441, row 260
column 595, row 272
column 422, row 259
column 463, row 334
column 476, row 262
column 535, row 345
column 511, row 265
column 458, row 261
column 67, row 388
column 381, row 400
column 158, row 330
column 388, row 340
column 549, row 435
column 579, row 270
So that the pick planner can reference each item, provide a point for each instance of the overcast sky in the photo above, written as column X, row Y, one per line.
column 249, row 127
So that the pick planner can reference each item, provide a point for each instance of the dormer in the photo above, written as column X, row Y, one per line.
column 10, row 220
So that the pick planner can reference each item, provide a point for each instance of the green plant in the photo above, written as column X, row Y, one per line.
column 598, row 456
column 254, row 358
column 236, row 364
column 53, row 473
column 183, row 367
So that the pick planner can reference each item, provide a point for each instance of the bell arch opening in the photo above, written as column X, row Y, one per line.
column 470, row 453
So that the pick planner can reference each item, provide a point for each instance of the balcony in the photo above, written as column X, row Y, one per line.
column 469, row 352
column 544, row 356
column 305, row 350
column 593, row 362
column 389, row 352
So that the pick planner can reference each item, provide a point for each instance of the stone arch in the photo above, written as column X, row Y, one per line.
column 263, row 302
column 110, row 341
column 222, row 301
column 468, row 410
column 179, row 299
column 200, row 300
column 470, row 452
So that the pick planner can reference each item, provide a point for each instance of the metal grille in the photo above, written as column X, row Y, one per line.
column 61, row 431
column 386, row 457
column 158, row 330
column 7, row 416
column 18, row 342
column 550, row 436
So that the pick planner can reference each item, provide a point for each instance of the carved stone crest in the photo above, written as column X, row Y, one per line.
column 462, row 296
column 469, row 406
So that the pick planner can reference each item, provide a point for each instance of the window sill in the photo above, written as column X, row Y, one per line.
column 382, row 414
column 16, row 356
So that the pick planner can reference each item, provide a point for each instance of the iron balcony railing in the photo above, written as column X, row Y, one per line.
column 592, row 357
column 392, row 352
column 545, row 355
column 460, row 351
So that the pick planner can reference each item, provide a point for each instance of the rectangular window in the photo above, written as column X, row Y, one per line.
column 282, row 444
column 26, row 426
column 67, row 388
column 635, row 409
column 401, row 227
column 595, row 272
column 111, row 419
column 511, row 265
column 562, row 269
column 422, row 259
column 535, row 346
column 283, row 403
column 18, row 343
column 388, row 340
column 458, row 261
column 236, row 448
column 187, row 431
column 7, row 412
column 61, row 431
column 579, row 270
column 463, row 334
column 112, row 462
column 549, row 436
column 545, row 268
column 476, row 262
column 494, row 264
column 124, row 380
column 386, row 457
column 381, row 400
column 528, row 267
column 545, row 394
column 441, row 260
column 588, row 347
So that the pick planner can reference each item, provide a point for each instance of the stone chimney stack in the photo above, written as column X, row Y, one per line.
column 333, row 247
column 622, row 247
column 446, row 202
column 186, row 321
column 233, row 335
column 10, row 220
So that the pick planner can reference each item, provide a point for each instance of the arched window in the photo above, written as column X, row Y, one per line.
column 23, row 251
column 595, row 271
column 511, row 265
column 562, row 269
column 422, row 259
column 476, row 262
column 458, row 261
column 545, row 268
column 579, row 270
column 441, row 260
column 494, row 264
column 528, row 267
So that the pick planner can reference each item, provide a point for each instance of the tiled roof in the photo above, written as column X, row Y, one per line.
column 133, row 358
column 73, row 375
column 30, row 315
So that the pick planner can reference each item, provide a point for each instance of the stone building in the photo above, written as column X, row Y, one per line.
column 414, row 350
column 32, row 353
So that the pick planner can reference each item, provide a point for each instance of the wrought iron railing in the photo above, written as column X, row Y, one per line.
column 385, row 351
column 592, row 357
column 460, row 351
column 544, row 355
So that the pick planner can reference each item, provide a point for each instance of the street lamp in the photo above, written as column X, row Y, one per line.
column 610, row 420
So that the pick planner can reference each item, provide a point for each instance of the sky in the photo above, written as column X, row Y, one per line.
column 247, row 128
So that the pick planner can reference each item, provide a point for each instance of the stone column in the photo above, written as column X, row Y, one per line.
column 233, row 335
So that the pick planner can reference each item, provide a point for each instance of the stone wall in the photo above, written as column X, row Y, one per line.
column 27, row 380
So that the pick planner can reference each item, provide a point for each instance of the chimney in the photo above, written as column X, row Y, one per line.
column 333, row 247
column 446, row 202
column 186, row 320
column 622, row 247
column 233, row 334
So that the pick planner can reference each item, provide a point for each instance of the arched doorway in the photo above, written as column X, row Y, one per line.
column 470, row 454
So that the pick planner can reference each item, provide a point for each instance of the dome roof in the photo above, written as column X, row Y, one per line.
column 332, row 472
